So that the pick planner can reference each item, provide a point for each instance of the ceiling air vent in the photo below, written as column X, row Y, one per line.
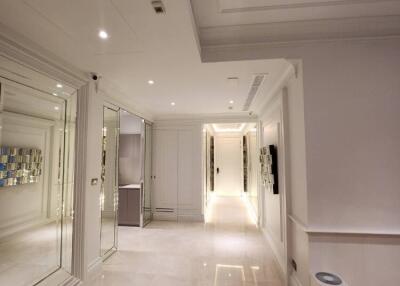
column 158, row 7
column 255, row 85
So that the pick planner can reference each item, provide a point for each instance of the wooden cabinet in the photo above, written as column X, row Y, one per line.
column 129, row 206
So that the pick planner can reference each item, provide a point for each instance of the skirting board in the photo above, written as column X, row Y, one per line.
column 191, row 218
column 270, row 242
column 174, row 217
column 94, row 269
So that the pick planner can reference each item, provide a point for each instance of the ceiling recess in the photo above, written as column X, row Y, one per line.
column 158, row 7
column 255, row 85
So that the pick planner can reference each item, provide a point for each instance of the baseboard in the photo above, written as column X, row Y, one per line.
column 94, row 269
column 165, row 216
column 269, row 240
column 191, row 218
column 294, row 281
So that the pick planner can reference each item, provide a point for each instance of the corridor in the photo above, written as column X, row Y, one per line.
column 227, row 250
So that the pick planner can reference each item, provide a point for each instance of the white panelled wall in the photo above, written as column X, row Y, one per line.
column 177, row 171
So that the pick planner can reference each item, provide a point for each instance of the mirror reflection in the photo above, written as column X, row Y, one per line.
column 130, row 170
column 109, row 195
column 36, row 178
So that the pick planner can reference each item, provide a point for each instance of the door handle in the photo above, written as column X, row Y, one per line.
column 217, row 170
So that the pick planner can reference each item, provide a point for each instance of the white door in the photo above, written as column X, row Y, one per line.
column 228, row 166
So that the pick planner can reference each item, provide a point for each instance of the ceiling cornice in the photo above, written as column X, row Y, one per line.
column 304, row 30
column 26, row 52
column 288, row 5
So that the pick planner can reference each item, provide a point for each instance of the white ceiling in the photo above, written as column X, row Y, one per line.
column 141, row 46
column 227, row 22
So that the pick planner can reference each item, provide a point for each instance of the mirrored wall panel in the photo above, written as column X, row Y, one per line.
column 109, row 177
column 37, row 127
column 134, row 202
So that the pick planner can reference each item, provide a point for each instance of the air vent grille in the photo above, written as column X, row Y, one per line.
column 255, row 85
column 158, row 7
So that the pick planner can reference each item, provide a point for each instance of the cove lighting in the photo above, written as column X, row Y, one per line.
column 218, row 129
column 103, row 34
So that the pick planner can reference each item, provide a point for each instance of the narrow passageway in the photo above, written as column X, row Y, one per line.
column 227, row 250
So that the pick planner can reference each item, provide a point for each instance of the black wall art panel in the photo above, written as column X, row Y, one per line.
column 269, row 168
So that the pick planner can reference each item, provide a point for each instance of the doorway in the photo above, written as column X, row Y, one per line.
column 126, row 169
column 231, row 166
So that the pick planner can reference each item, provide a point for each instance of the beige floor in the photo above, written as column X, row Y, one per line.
column 227, row 250
column 30, row 255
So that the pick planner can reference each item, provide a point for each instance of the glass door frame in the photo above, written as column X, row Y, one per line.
column 114, row 248
column 143, row 185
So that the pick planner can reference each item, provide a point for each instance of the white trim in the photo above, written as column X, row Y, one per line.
column 15, row 46
column 191, row 218
column 94, row 268
column 271, row 243
column 78, row 257
column 315, row 230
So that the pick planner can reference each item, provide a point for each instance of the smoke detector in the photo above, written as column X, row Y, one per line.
column 158, row 7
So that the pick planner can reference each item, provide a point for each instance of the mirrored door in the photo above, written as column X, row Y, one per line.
column 109, row 177
column 146, row 186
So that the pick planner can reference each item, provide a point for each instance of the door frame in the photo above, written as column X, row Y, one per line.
column 111, row 251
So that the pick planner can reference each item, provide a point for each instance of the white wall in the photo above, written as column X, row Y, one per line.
column 352, row 135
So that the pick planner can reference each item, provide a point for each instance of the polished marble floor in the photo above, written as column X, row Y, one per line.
column 30, row 255
column 227, row 250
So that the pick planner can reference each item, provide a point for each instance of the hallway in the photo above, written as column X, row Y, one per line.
column 227, row 250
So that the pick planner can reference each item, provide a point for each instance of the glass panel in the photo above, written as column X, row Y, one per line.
column 131, row 157
column 147, row 216
column 36, row 178
column 109, row 195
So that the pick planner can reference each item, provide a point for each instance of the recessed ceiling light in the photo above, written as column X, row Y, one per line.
column 55, row 94
column 56, row 108
column 173, row 103
column 103, row 34
column 231, row 101
column 59, row 85
column 150, row 82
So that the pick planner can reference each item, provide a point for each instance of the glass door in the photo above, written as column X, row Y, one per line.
column 146, row 183
column 109, row 178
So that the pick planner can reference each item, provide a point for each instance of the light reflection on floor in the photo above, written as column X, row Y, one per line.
column 227, row 250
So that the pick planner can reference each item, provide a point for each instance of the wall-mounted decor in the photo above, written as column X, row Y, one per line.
column 245, row 159
column 19, row 166
column 269, row 168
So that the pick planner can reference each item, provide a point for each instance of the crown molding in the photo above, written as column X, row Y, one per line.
column 287, row 4
column 301, row 31
column 26, row 52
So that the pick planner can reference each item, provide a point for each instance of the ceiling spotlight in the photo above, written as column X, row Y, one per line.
column 173, row 103
column 55, row 94
column 231, row 101
column 56, row 108
column 59, row 85
column 150, row 82
column 103, row 34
